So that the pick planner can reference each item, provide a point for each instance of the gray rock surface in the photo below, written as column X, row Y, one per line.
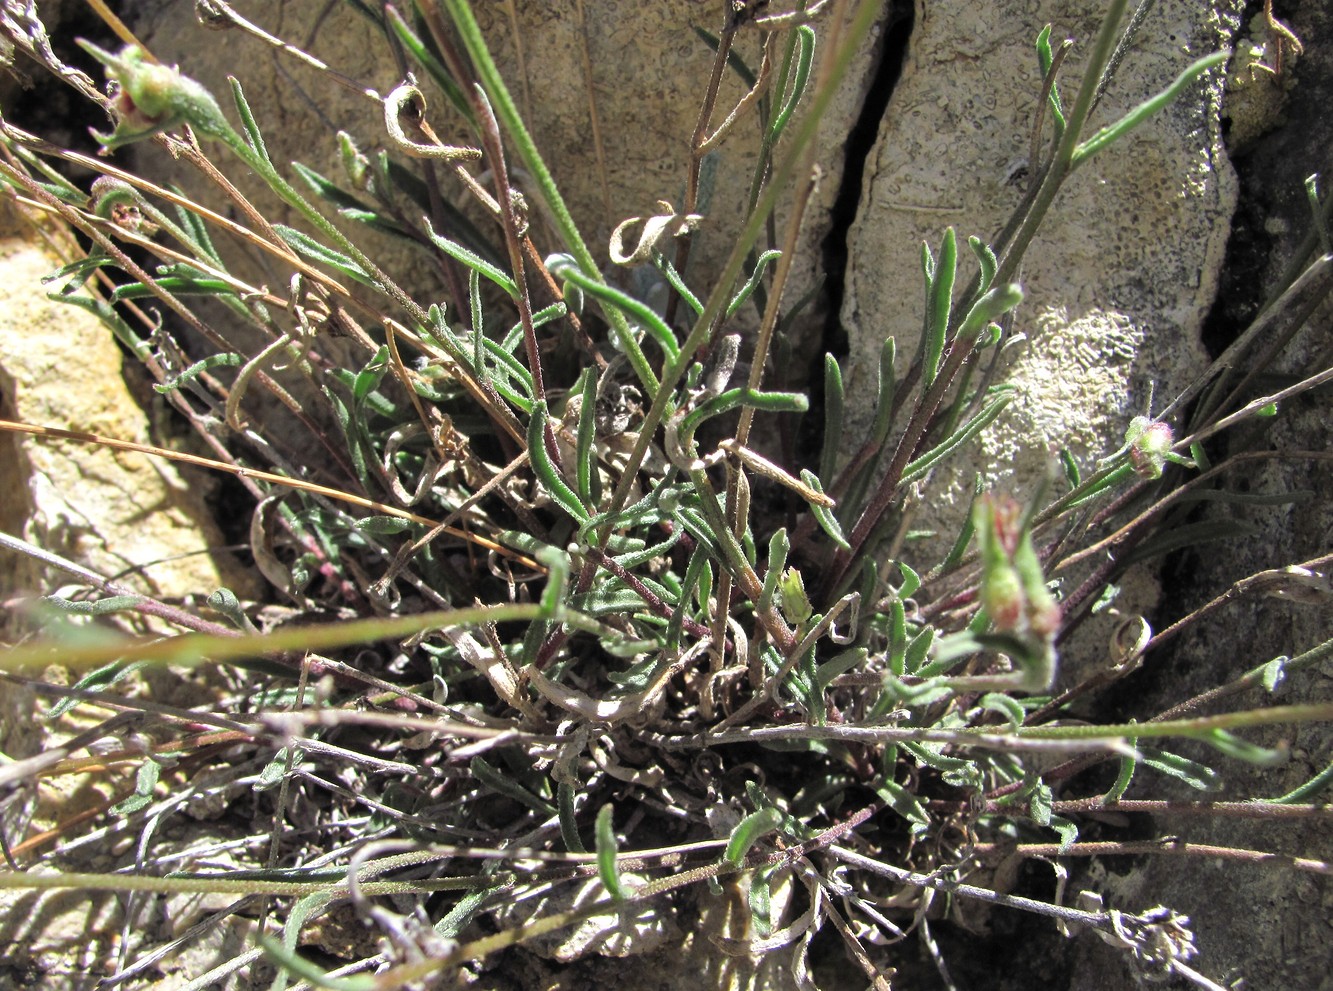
column 1120, row 277
column 610, row 92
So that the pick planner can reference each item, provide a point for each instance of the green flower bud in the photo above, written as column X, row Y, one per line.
column 1149, row 446
column 1001, row 587
column 1043, row 611
column 1002, row 597
column 149, row 97
column 795, row 603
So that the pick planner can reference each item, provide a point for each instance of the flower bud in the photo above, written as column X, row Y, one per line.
column 1149, row 446
column 795, row 603
column 995, row 520
column 1002, row 597
column 148, row 97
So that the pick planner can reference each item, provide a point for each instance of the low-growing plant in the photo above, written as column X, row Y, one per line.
column 626, row 660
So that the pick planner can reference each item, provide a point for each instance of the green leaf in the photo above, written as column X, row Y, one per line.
column 382, row 525
column 472, row 260
column 304, row 969
column 1234, row 746
column 1190, row 535
column 903, row 802
column 350, row 206
column 940, row 304
column 761, row 902
column 987, row 261
column 226, row 359
column 897, row 638
column 840, row 664
column 748, row 831
column 734, row 62
column 351, row 432
column 911, row 581
column 371, row 374
column 1309, row 790
column 960, row 437
column 460, row 916
column 1039, row 803
column 507, row 785
column 253, row 135
column 426, row 55
column 545, row 470
column 1126, row 774
column 95, row 681
column 1070, row 468
column 308, row 247
column 1275, row 672
column 1005, row 706
column 565, row 268
column 277, row 768
column 585, row 457
column 929, row 755
column 833, row 405
column 823, row 514
column 606, row 854
column 177, row 286
column 768, row 402
column 569, row 827
column 1047, row 58
column 992, row 305
column 121, row 330
column 805, row 54
column 1108, row 135
column 1066, row 830
column 918, row 649
column 760, row 265
column 144, row 783
column 1194, row 774
column 107, row 606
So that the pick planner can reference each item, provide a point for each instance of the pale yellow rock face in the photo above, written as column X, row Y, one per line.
column 115, row 512
column 126, row 516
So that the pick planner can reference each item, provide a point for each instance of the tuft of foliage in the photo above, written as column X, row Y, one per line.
column 606, row 675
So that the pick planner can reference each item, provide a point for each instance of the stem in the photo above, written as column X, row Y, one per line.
column 507, row 112
column 1175, row 846
column 1062, row 164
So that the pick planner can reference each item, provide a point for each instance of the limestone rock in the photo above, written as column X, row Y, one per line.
column 113, row 511
column 610, row 92
column 1120, row 277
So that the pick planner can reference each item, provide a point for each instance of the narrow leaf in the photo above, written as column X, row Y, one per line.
column 472, row 260
column 547, row 473
column 1108, row 135
column 748, row 831
column 606, row 854
column 903, row 802
column 308, row 247
column 940, row 305
column 833, row 404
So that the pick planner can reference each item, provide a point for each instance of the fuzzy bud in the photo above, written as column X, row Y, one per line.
column 1013, row 588
column 1149, row 446
column 148, row 97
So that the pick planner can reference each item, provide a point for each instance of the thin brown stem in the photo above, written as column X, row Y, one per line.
column 1177, row 847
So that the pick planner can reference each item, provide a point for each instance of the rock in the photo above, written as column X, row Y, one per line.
column 119, row 513
column 143, row 521
column 1118, row 280
column 611, row 94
